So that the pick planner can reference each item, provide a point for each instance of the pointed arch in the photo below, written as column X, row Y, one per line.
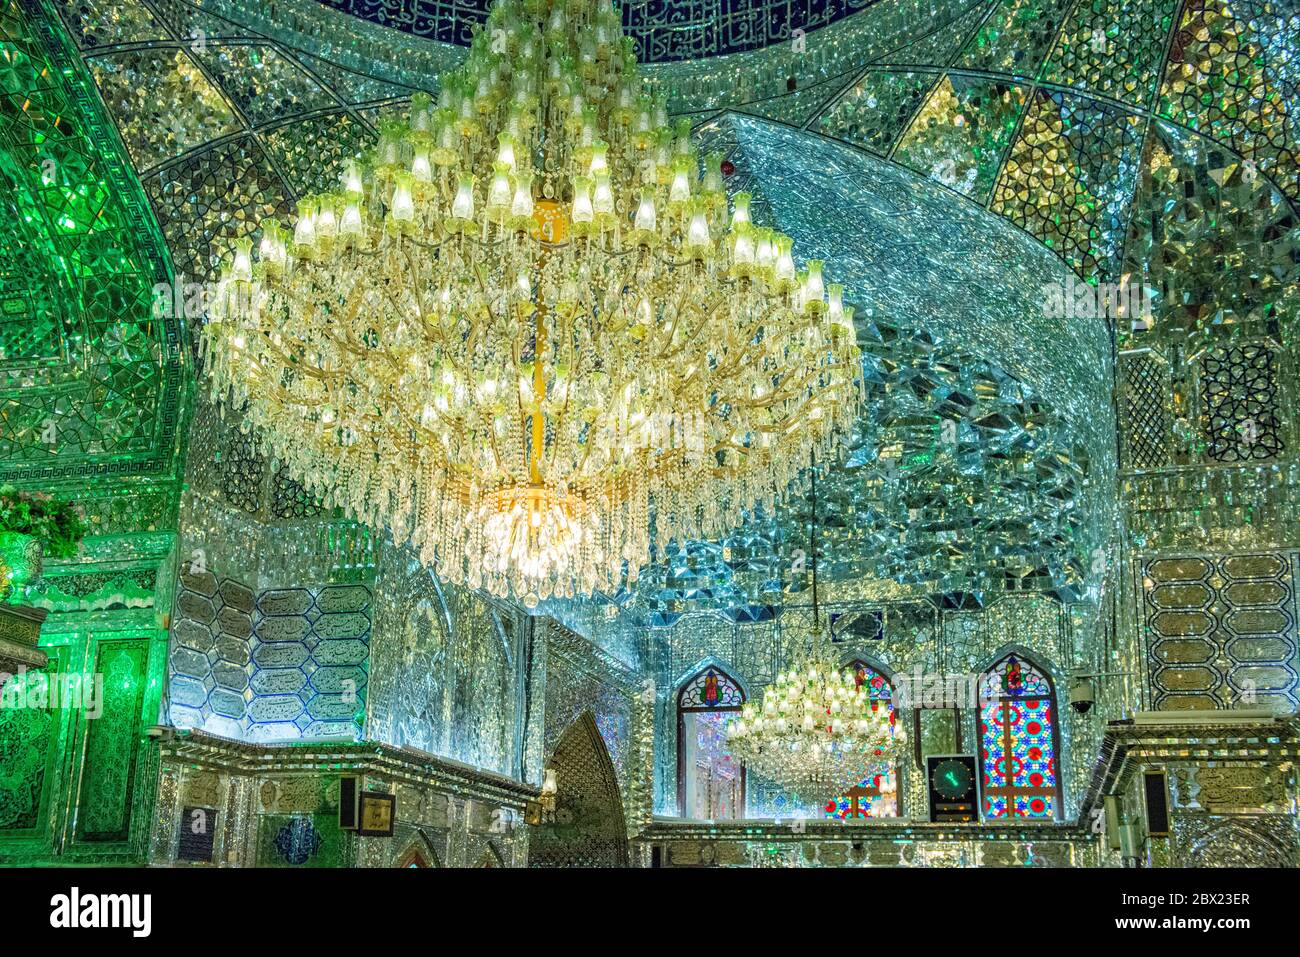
column 588, row 828
column 710, row 785
column 1019, row 741
column 705, row 663
column 1024, row 653
column 418, row 853
column 1235, row 843
column 878, row 795
column 490, row 857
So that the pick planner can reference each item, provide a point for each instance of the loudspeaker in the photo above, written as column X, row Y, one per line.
column 1156, row 788
column 349, row 801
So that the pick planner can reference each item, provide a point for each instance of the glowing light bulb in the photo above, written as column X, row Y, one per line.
column 499, row 196
column 680, row 190
column 645, row 212
column 740, row 212
column 241, row 268
column 304, row 231
column 522, row 204
column 506, row 151
column 403, row 206
column 603, row 199
column 582, row 210
column 420, row 168
column 462, row 207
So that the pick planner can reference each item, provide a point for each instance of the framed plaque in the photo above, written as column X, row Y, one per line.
column 376, row 814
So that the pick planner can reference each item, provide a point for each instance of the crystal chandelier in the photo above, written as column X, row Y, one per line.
column 529, row 333
column 818, row 733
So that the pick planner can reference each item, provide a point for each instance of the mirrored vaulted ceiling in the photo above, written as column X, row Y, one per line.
column 1152, row 139
column 984, row 456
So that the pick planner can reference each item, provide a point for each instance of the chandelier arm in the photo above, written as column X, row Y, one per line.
column 393, row 362
column 314, row 372
column 671, row 330
column 347, row 345
column 773, row 398
column 752, row 350
column 667, row 356
column 289, row 400
column 451, row 357
column 420, row 292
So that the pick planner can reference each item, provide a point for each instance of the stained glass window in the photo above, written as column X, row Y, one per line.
column 876, row 795
column 710, row 785
column 1018, row 741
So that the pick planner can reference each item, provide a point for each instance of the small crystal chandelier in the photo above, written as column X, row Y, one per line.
column 818, row 733
column 530, row 318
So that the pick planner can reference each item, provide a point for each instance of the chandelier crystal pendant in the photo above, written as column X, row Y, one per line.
column 817, row 732
column 530, row 318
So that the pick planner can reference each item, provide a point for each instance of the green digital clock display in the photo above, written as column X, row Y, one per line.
column 951, row 778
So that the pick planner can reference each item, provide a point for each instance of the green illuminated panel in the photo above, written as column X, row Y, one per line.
column 109, row 774
column 90, row 382
column 29, row 744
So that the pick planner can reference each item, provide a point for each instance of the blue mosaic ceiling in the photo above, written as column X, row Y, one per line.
column 662, row 29
column 983, row 460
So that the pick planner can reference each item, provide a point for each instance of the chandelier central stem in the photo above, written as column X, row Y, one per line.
column 812, row 543
column 539, row 389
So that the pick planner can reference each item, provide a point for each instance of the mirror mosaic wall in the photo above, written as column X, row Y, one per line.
column 1116, row 498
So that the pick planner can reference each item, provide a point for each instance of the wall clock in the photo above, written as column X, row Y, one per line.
column 951, row 783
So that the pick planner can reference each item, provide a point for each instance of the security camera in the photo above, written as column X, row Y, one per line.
column 1082, row 695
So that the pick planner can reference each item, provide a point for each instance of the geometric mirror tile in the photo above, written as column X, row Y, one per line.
column 1216, row 242
column 312, row 151
column 1015, row 37
column 874, row 110
column 796, row 109
column 211, row 199
column 1231, row 76
column 90, row 385
column 1113, row 47
column 961, row 132
column 98, row 23
column 263, row 83
column 938, row 48
column 1221, row 632
column 162, row 102
column 1069, row 177
column 1240, row 410
column 1144, row 390
column 355, row 87
column 194, row 25
column 286, row 665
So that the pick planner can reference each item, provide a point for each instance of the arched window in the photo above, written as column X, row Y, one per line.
column 710, row 785
column 877, row 795
column 1018, row 741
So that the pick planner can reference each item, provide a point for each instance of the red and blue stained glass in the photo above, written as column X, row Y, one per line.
column 1018, row 742
column 875, row 796
column 711, row 689
column 711, row 786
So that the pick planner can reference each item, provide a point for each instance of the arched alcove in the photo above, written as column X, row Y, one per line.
column 587, row 829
